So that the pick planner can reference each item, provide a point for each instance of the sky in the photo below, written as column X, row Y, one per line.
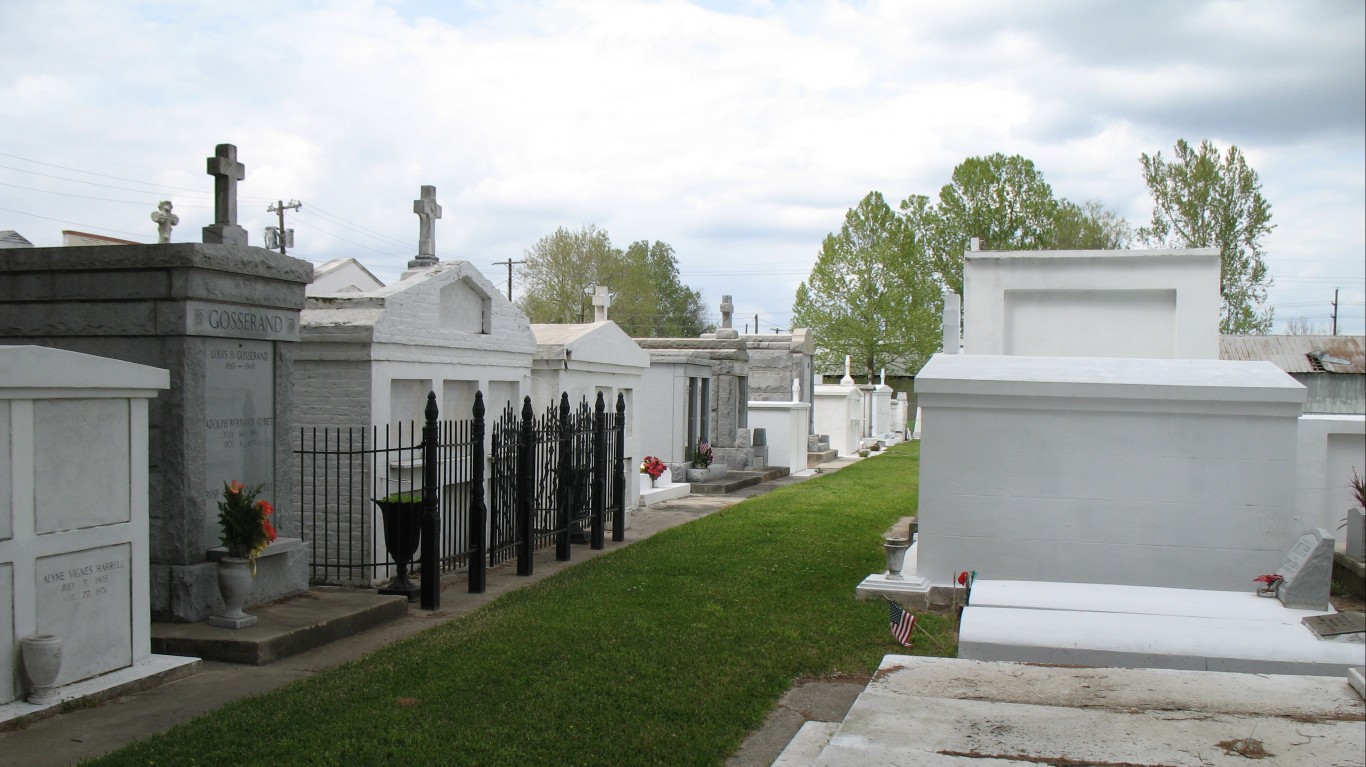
column 738, row 132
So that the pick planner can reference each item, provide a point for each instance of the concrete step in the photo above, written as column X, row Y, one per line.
column 283, row 628
column 816, row 459
column 806, row 746
column 1146, row 627
column 736, row 480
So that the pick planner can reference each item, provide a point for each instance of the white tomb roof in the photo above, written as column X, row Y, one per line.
column 1107, row 378
column 601, row 343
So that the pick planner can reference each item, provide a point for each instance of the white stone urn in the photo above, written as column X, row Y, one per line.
column 895, row 550
column 234, row 586
column 42, row 655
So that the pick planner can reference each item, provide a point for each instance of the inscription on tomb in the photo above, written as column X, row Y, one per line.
column 239, row 422
column 84, row 597
column 1307, row 570
column 203, row 318
column 1299, row 554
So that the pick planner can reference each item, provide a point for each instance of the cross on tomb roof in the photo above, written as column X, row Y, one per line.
column 427, row 211
column 601, row 300
column 226, row 172
column 164, row 219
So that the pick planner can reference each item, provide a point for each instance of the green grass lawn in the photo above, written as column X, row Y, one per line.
column 667, row 652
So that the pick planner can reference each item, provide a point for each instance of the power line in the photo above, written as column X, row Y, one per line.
column 75, row 223
column 92, row 173
column 357, row 227
column 79, row 196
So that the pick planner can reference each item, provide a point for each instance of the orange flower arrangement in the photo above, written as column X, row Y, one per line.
column 244, row 522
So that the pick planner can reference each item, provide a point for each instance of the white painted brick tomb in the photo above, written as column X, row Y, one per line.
column 74, row 524
column 1161, row 304
column 370, row 358
column 1176, row 473
column 675, row 406
column 584, row 360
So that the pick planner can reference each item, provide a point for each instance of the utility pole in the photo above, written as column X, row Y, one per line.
column 508, row 263
column 282, row 236
column 1335, row 311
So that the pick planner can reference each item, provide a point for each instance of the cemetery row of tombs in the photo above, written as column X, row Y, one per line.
column 315, row 386
column 1087, row 432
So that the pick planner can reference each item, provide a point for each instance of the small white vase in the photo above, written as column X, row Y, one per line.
column 234, row 586
column 42, row 655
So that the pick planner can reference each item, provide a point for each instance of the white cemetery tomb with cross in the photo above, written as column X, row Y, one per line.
column 222, row 317
column 838, row 411
column 780, row 389
column 370, row 358
column 727, row 418
column 586, row 360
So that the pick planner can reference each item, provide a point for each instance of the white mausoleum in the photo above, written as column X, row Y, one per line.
column 370, row 358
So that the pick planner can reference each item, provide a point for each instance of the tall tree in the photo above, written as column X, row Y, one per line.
column 871, row 293
column 650, row 299
column 1089, row 226
column 559, row 271
column 1003, row 200
column 1203, row 200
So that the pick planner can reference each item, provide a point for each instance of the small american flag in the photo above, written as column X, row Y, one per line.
column 903, row 623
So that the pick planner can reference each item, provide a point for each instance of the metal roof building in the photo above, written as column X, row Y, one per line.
column 1333, row 368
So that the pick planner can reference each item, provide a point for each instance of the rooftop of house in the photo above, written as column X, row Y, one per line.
column 1299, row 354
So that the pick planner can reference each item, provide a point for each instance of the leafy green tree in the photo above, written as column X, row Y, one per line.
column 1003, row 200
column 871, row 293
column 648, row 298
column 1089, row 226
column 1203, row 200
column 561, row 269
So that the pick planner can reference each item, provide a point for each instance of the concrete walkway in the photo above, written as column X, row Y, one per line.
column 83, row 733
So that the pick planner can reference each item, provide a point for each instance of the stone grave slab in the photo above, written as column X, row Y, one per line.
column 79, row 591
column 239, row 423
column 101, row 453
column 1307, row 571
column 1336, row 624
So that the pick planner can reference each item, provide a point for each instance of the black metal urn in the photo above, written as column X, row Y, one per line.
column 402, row 533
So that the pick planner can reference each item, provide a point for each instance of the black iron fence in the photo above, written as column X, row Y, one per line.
column 552, row 480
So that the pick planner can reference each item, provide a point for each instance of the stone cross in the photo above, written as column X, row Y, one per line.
column 601, row 300
column 847, row 380
column 883, row 380
column 427, row 212
column 226, row 172
column 164, row 219
column 726, row 331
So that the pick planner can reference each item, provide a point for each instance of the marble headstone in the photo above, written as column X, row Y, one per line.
column 1307, row 571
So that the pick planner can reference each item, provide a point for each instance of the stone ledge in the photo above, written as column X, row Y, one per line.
column 278, row 546
column 145, row 674
column 285, row 628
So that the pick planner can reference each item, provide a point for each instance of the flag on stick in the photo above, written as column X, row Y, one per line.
column 903, row 623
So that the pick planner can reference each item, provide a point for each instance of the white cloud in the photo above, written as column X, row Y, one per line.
column 738, row 132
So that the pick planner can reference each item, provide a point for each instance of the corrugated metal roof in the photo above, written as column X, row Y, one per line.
column 1299, row 354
